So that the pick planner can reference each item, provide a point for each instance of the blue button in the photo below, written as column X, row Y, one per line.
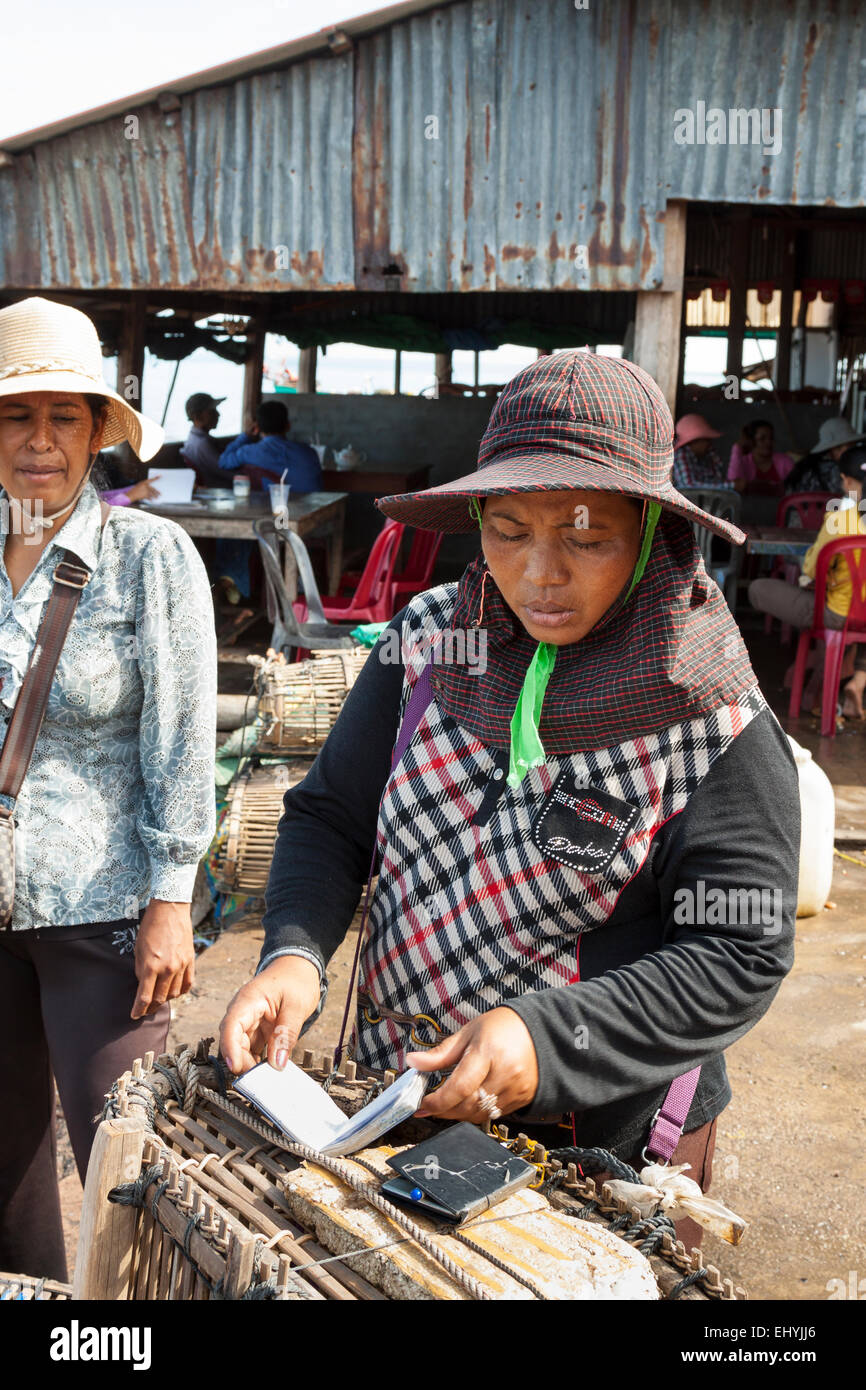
column 416, row 1194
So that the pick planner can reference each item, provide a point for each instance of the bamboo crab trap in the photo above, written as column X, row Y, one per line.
column 299, row 702
column 191, row 1194
column 243, row 860
column 25, row 1288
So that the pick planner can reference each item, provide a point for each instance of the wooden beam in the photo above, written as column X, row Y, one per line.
column 307, row 370
column 659, row 313
column 398, row 366
column 254, row 362
column 130, row 366
column 442, row 368
column 782, row 375
column 105, row 1240
column 738, row 274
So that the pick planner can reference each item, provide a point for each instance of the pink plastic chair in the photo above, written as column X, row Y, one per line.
column 416, row 574
column 853, row 550
column 371, row 601
column 811, row 508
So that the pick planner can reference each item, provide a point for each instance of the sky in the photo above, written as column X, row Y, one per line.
column 62, row 59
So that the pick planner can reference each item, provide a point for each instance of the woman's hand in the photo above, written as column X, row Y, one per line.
column 143, row 489
column 494, row 1052
column 164, row 956
column 269, row 1012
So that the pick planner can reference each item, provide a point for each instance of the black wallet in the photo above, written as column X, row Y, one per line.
column 456, row 1174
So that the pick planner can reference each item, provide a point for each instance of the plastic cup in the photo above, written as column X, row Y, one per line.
column 241, row 487
column 280, row 502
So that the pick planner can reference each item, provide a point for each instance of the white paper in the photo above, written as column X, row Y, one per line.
column 175, row 485
column 297, row 1105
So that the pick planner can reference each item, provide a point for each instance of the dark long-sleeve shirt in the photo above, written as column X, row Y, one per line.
column 663, row 986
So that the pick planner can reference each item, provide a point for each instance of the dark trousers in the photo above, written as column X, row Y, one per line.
column 65, row 997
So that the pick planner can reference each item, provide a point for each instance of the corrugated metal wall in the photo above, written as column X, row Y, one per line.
column 475, row 146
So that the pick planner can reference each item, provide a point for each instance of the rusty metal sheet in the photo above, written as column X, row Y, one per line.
column 472, row 145
column 501, row 146
column 803, row 59
column 248, row 186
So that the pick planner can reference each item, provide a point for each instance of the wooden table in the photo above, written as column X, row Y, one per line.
column 379, row 482
column 790, row 541
column 308, row 511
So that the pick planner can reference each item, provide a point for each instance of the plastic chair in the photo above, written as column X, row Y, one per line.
column 853, row 550
column 726, row 504
column 810, row 508
column 314, row 632
column 372, row 600
column 416, row 574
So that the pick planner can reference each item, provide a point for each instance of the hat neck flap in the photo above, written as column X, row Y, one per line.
column 667, row 650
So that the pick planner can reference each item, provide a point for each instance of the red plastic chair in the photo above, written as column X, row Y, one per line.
column 853, row 550
column 811, row 508
column 371, row 601
column 416, row 574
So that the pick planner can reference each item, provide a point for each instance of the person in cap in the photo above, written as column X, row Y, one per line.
column 818, row 470
column 560, row 760
column 199, row 450
column 696, row 462
column 116, row 805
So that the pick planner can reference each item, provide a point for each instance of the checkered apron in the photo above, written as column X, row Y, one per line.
column 473, row 910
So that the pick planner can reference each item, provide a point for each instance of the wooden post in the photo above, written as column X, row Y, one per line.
column 253, row 366
column 782, row 375
column 658, row 318
column 741, row 230
column 105, row 1241
column 130, row 367
column 307, row 370
column 398, row 365
column 442, row 368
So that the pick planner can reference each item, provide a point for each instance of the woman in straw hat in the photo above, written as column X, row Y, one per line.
column 116, row 806
column 587, row 842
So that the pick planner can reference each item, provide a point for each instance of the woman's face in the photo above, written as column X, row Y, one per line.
column 560, row 559
column 47, row 439
column 763, row 445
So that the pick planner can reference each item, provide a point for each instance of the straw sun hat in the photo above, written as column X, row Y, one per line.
column 52, row 347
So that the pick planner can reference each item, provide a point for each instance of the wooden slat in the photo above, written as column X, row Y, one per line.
column 105, row 1242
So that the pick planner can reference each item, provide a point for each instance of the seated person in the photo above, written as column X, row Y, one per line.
column 264, row 445
column 755, row 466
column 818, row 471
column 199, row 450
column 795, row 603
column 696, row 463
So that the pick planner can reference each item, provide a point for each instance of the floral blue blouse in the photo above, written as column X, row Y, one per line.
column 118, row 804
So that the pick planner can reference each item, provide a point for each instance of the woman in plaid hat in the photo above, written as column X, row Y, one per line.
column 588, row 841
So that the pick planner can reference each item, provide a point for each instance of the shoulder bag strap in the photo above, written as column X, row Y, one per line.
column 419, row 700
column 70, row 577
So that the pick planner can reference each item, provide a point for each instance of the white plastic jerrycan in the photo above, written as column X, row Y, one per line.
column 818, row 811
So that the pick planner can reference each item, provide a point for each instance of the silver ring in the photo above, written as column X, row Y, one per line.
column 488, row 1103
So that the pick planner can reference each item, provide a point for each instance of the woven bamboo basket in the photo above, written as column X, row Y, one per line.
column 25, row 1288
column 208, row 1200
column 299, row 703
column 243, row 861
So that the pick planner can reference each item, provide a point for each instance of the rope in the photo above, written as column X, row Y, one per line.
column 596, row 1161
column 687, row 1282
column 364, row 1189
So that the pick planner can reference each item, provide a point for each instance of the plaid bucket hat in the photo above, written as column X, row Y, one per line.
column 573, row 421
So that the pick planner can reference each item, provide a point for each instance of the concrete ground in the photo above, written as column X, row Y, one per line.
column 789, row 1156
